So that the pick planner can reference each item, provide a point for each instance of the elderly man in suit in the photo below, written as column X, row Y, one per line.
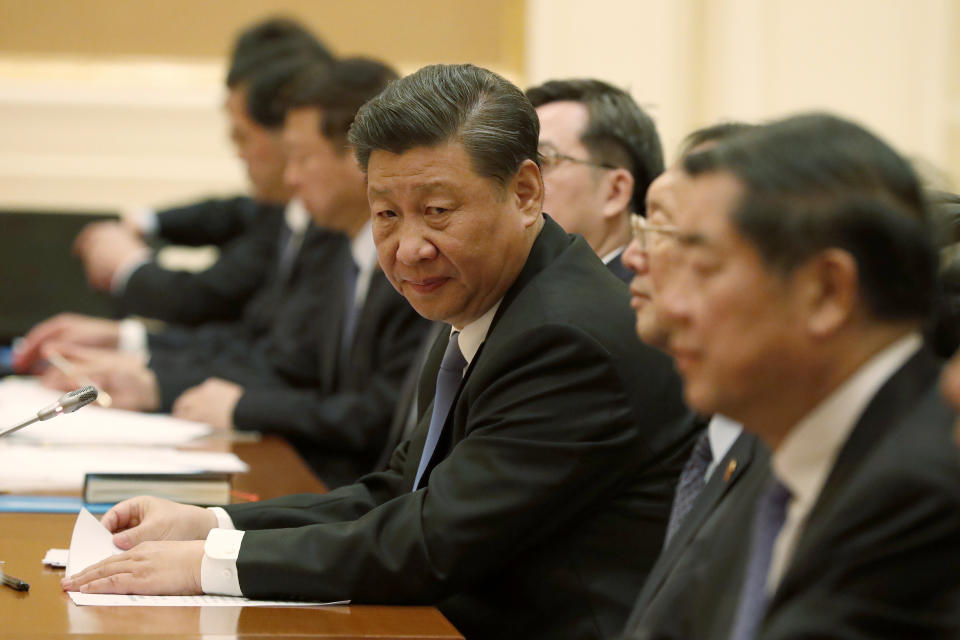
column 794, row 305
column 531, row 500
column 600, row 152
column 726, row 471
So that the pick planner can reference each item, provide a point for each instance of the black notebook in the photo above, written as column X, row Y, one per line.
column 204, row 489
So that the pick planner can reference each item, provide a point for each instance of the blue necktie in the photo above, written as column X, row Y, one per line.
column 448, row 380
column 767, row 521
column 692, row 480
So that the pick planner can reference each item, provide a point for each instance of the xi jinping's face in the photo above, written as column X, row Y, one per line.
column 450, row 240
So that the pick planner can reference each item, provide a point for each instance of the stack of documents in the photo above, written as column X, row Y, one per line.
column 55, row 455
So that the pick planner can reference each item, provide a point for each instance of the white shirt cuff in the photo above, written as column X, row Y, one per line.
column 218, row 569
column 224, row 521
column 123, row 273
column 145, row 219
column 132, row 338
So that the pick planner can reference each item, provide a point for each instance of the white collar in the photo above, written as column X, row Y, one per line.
column 295, row 216
column 364, row 254
column 803, row 460
column 722, row 432
column 473, row 335
column 610, row 257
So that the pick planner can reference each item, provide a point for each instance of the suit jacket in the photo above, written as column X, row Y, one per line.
column 878, row 553
column 406, row 413
column 220, row 292
column 334, row 407
column 213, row 221
column 277, row 341
column 340, row 423
column 725, row 504
column 547, row 497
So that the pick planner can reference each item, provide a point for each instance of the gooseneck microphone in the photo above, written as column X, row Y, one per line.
column 67, row 403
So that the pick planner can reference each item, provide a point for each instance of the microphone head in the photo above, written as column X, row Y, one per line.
column 73, row 400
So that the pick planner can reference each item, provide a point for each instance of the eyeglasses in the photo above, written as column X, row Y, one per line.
column 550, row 158
column 642, row 232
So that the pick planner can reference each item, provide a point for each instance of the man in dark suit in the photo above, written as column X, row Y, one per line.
column 248, row 230
column 327, row 372
column 728, row 467
column 600, row 152
column 532, row 498
column 804, row 272
column 363, row 333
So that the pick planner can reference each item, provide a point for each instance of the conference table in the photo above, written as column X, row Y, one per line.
column 46, row 612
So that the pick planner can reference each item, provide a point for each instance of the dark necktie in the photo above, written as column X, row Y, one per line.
column 290, row 242
column 691, row 483
column 448, row 380
column 350, row 310
column 768, row 519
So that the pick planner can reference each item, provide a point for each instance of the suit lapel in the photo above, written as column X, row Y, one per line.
column 551, row 241
column 898, row 395
column 733, row 465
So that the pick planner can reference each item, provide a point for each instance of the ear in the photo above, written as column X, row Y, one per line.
column 526, row 190
column 618, row 191
column 829, row 291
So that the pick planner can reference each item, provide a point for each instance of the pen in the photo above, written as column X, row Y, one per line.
column 67, row 369
column 14, row 583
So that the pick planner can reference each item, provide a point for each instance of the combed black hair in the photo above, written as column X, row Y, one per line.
column 475, row 107
column 269, row 40
column 338, row 91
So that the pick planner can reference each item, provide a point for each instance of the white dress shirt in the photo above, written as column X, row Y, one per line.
column 722, row 432
column 806, row 456
column 607, row 259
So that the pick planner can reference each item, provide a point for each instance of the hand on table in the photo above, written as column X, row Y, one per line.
column 71, row 329
column 150, row 568
column 144, row 519
column 128, row 381
column 212, row 402
column 105, row 248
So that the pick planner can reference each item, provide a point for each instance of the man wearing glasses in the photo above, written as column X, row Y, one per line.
column 724, row 474
column 600, row 152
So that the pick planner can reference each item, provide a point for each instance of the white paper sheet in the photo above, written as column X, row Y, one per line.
column 39, row 468
column 21, row 398
column 91, row 543
column 56, row 558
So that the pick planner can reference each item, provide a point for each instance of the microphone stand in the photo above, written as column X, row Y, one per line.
column 26, row 423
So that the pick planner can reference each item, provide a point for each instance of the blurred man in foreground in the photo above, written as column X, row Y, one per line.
column 804, row 272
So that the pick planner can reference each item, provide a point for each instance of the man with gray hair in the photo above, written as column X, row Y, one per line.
column 532, row 498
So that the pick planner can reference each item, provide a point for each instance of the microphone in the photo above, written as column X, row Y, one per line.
column 67, row 403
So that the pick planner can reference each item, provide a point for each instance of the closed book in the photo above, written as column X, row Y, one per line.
column 204, row 489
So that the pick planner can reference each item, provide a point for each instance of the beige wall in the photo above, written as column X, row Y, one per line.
column 404, row 32
column 114, row 103
column 891, row 64
column 108, row 104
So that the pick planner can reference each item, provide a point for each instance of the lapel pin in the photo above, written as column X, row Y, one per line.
column 731, row 468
